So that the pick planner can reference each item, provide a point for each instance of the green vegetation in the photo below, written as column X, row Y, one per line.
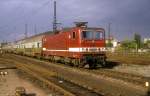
column 146, row 45
column 133, row 45
column 109, row 44
column 137, row 39
column 127, row 45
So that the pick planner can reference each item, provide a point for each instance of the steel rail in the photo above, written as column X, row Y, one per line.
column 90, row 77
column 46, row 74
column 82, row 71
column 30, row 71
column 127, row 77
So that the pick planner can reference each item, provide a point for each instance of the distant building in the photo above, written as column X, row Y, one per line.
column 114, row 43
column 146, row 40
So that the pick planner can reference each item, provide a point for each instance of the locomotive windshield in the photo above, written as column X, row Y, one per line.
column 92, row 35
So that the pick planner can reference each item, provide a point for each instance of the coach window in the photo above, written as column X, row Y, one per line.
column 73, row 35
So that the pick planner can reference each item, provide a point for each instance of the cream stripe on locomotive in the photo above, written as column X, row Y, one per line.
column 82, row 49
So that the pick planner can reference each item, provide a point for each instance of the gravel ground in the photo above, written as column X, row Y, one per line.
column 143, row 70
column 9, row 82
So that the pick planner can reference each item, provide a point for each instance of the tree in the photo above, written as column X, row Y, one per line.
column 109, row 44
column 147, row 44
column 137, row 39
column 127, row 45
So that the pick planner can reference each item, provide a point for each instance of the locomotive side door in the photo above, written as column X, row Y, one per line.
column 73, row 43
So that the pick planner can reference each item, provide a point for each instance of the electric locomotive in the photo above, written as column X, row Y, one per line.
column 79, row 46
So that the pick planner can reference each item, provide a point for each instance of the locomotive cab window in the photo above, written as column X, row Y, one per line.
column 73, row 35
column 99, row 35
column 87, row 35
column 90, row 35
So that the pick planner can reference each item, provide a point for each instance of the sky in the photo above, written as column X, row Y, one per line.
column 127, row 17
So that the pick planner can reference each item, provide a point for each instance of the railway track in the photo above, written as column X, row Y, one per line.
column 133, row 79
column 51, row 80
column 130, row 78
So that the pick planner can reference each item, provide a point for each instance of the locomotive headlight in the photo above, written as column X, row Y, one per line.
column 101, row 49
column 97, row 49
column 104, row 49
column 44, row 49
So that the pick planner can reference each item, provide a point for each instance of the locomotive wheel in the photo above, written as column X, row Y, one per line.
column 75, row 62
column 92, row 66
column 103, row 63
column 53, row 59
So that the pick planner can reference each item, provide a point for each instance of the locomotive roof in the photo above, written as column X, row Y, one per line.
column 84, row 28
column 39, row 36
column 93, row 28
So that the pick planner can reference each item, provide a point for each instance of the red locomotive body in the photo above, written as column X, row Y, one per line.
column 78, row 46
